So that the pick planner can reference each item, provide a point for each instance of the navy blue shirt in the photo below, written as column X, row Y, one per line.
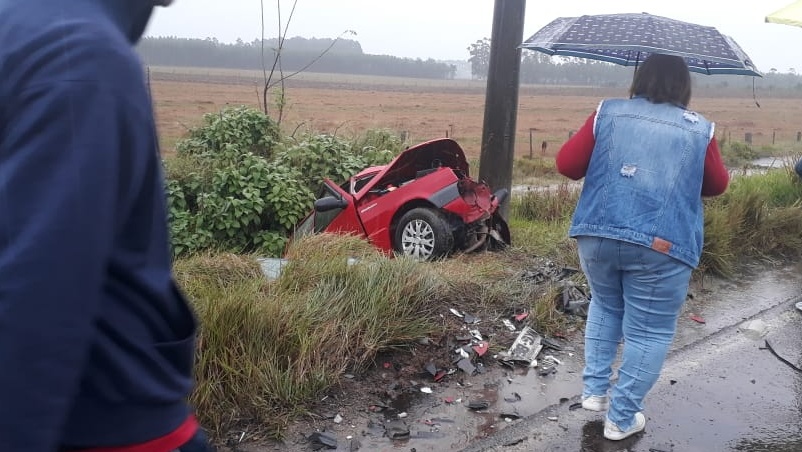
column 96, row 341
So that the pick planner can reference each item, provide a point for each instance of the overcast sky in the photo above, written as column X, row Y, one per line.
column 443, row 29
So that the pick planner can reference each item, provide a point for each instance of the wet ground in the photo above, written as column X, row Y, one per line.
column 719, row 391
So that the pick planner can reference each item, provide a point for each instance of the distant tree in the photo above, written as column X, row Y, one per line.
column 480, row 58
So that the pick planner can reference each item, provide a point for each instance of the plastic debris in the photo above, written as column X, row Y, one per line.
column 470, row 320
column 525, row 348
column 697, row 319
column 456, row 313
column 574, row 299
column 431, row 368
column 396, row 429
column 465, row 365
column 521, row 316
column 402, row 415
column 507, row 323
column 754, row 329
column 552, row 418
column 477, row 335
column 338, row 419
column 575, row 406
column 481, row 348
column 426, row 390
column 320, row 440
column 478, row 405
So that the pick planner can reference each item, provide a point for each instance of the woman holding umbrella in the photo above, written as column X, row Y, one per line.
column 647, row 162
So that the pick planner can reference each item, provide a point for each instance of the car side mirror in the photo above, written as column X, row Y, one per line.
column 330, row 203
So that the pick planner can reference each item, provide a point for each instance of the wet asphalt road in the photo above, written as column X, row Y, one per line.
column 720, row 390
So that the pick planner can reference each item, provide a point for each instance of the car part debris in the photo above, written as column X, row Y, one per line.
column 337, row 419
column 320, row 440
column 465, row 365
column 520, row 317
column 510, row 415
column 481, row 348
column 771, row 349
column 456, row 313
column 525, row 348
column 396, row 429
column 575, row 406
column 697, row 319
column 431, row 368
column 549, row 343
column 426, row 390
column 754, row 329
column 515, row 441
column 470, row 319
column 476, row 335
column 478, row 405
column 574, row 300
column 507, row 323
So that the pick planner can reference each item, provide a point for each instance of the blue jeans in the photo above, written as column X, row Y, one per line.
column 636, row 294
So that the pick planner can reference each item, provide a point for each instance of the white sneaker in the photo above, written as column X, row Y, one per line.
column 595, row 403
column 612, row 432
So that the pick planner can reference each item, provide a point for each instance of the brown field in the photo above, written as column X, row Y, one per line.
column 425, row 109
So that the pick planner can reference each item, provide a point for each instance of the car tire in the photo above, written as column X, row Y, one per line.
column 423, row 234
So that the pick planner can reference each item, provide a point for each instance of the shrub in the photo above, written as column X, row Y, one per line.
column 248, row 128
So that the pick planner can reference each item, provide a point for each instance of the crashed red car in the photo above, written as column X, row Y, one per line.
column 422, row 204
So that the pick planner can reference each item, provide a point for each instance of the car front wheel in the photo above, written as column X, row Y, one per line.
column 423, row 234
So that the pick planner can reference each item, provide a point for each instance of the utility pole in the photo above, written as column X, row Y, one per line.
column 501, row 97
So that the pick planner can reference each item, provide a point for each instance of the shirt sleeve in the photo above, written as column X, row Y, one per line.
column 716, row 178
column 573, row 157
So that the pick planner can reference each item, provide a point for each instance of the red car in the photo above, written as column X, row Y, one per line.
column 422, row 204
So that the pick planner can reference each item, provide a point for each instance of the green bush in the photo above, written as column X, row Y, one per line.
column 322, row 156
column 246, row 127
column 237, row 202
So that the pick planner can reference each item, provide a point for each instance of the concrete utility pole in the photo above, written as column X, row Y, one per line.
column 501, row 98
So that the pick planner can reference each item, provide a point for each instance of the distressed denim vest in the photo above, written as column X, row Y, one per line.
column 644, row 181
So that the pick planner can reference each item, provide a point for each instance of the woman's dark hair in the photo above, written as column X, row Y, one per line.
column 663, row 78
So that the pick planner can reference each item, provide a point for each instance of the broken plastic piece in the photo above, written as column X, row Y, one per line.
column 521, row 316
column 478, row 405
column 476, row 334
column 465, row 365
column 439, row 375
column 508, row 324
column 470, row 320
column 426, row 390
column 697, row 319
column 456, row 313
column 525, row 348
column 481, row 348
column 323, row 439
column 431, row 368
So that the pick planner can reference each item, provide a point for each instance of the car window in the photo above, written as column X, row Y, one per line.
column 323, row 219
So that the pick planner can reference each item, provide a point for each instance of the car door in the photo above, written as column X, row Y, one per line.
column 335, row 211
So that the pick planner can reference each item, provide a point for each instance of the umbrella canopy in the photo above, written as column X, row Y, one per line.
column 628, row 39
column 790, row 15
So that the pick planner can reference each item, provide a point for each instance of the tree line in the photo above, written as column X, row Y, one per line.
column 343, row 56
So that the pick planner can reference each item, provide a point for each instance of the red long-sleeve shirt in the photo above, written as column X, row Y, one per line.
column 574, row 157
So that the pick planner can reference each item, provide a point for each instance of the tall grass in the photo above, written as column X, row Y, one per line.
column 266, row 349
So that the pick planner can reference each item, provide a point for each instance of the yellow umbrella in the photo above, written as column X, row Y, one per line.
column 790, row 15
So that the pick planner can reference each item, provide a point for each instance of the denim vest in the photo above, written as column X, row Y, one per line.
column 644, row 181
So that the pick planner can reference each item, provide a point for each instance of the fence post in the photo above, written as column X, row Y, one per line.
column 543, row 147
column 798, row 136
column 748, row 137
column 773, row 136
column 531, row 143
column 570, row 134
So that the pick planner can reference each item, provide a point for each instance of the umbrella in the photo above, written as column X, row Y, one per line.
column 790, row 15
column 628, row 39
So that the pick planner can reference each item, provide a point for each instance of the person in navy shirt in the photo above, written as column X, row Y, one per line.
column 96, row 340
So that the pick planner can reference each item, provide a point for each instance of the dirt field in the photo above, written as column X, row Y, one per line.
column 428, row 109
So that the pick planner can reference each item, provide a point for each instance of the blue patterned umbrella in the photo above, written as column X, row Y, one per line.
column 628, row 39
